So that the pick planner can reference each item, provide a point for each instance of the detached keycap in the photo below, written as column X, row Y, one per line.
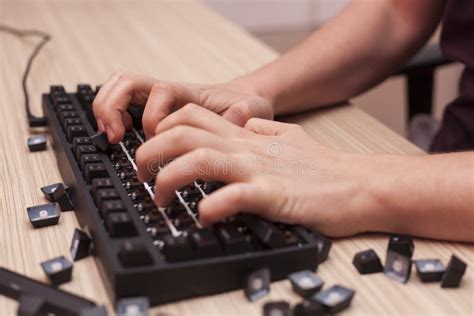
column 205, row 243
column 58, row 270
column 44, row 215
column 430, row 270
column 132, row 254
column 177, row 248
column 48, row 191
column 335, row 299
column 120, row 224
column 100, row 141
column 305, row 283
column 397, row 266
column 80, row 245
column 257, row 284
column 403, row 244
column 37, row 143
column 454, row 273
column 133, row 306
column 278, row 308
column 61, row 196
column 367, row 262
column 309, row 308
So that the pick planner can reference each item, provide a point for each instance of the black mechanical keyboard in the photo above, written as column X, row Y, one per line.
column 162, row 253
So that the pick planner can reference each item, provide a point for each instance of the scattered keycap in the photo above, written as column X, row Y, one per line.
column 430, row 270
column 397, row 266
column 133, row 306
column 309, row 308
column 454, row 273
column 80, row 245
column 58, row 270
column 37, row 142
column 305, row 283
column 61, row 196
column 100, row 141
column 44, row 215
column 403, row 244
column 334, row 299
column 257, row 284
column 277, row 308
column 367, row 262
column 48, row 191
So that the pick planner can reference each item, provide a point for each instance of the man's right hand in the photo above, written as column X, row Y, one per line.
column 234, row 101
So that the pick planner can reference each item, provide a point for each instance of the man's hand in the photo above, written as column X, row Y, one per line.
column 273, row 169
column 234, row 101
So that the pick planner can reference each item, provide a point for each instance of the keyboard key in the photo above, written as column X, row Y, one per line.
column 309, row 308
column 100, row 141
column 430, row 270
column 37, row 143
column 60, row 99
column 44, row 215
column 367, row 262
column 67, row 114
column 58, row 270
column 177, row 248
column 232, row 239
column 205, row 243
column 77, row 141
column 101, row 183
column 71, row 121
column 120, row 224
column 305, row 283
column 132, row 254
column 94, row 170
column 335, row 299
column 48, row 191
column 267, row 233
column 87, row 159
column 454, row 273
column 66, row 107
column 105, row 194
column 111, row 206
column 61, row 196
column 403, row 244
column 57, row 89
column 80, row 245
column 397, row 266
column 324, row 246
column 75, row 131
column 133, row 306
column 278, row 308
column 257, row 284
column 83, row 150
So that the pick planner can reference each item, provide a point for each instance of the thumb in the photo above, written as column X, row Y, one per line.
column 266, row 127
column 232, row 199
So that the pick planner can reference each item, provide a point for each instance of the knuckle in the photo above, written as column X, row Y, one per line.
column 201, row 154
column 178, row 133
column 188, row 109
column 161, row 87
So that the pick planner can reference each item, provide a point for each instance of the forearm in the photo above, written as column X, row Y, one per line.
column 427, row 196
column 353, row 52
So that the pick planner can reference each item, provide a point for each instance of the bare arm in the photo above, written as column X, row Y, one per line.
column 353, row 52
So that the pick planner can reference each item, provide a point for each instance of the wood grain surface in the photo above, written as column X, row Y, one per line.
column 179, row 41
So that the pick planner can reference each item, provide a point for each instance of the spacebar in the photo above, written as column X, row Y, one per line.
column 14, row 285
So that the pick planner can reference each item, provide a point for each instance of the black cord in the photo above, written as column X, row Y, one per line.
column 34, row 121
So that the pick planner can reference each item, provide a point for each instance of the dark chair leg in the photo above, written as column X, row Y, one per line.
column 419, row 92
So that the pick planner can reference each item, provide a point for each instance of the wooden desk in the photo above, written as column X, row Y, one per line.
column 182, row 41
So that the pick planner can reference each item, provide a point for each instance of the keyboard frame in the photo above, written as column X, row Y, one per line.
column 162, row 281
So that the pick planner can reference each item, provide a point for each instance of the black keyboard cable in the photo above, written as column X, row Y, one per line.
column 33, row 121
